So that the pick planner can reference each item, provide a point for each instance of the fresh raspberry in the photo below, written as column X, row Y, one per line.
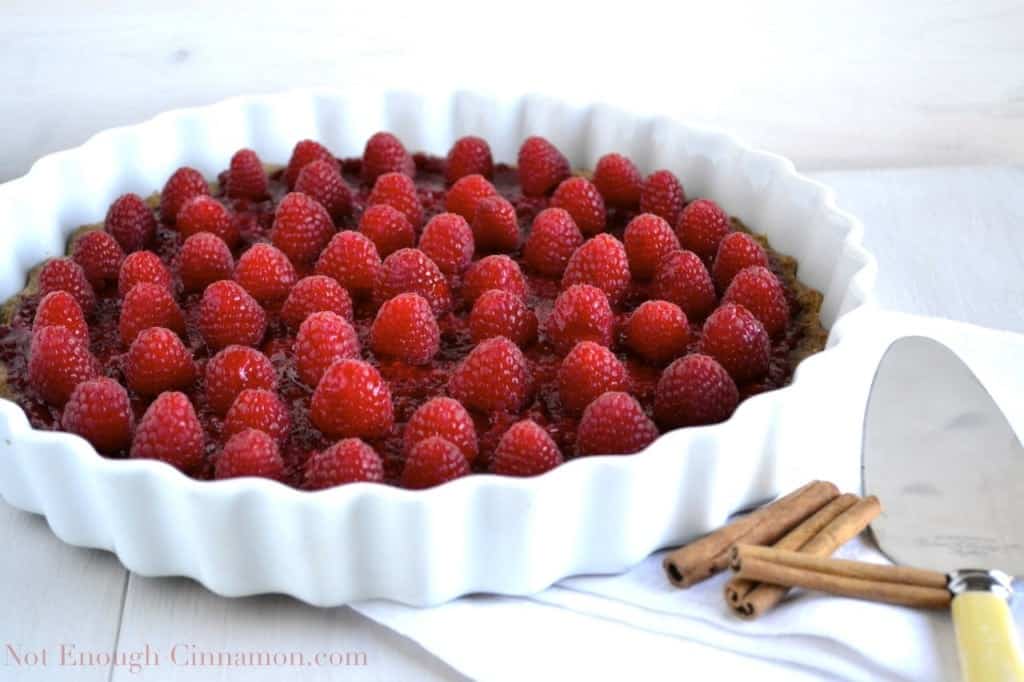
column 131, row 222
column 541, row 166
column 648, row 239
column 234, row 369
column 586, row 372
column 525, row 449
column 493, row 377
column 734, row 337
column 398, row 191
column 553, row 239
column 322, row 181
column 694, row 390
column 682, row 279
column 59, row 308
column 323, row 338
column 246, row 177
column 64, row 274
column 658, row 331
column 352, row 400
column 158, row 361
column 229, row 315
column 352, row 261
column 411, row 270
column 258, row 408
column 204, row 259
column 384, row 153
column 170, row 432
column 149, row 305
column 493, row 272
column 614, row 424
column 662, row 195
column 618, row 181
column 446, row 418
column 470, row 155
column 495, row 225
column 580, row 313
column 249, row 453
column 465, row 194
column 387, row 228
column 206, row 214
column 142, row 267
column 736, row 252
column 266, row 273
column 701, row 228
column 501, row 313
column 758, row 290
column 584, row 203
column 600, row 262
column 448, row 241
column 100, row 412
column 305, row 153
column 99, row 256
column 405, row 329
column 183, row 184
column 302, row 228
column 431, row 462
column 315, row 294
column 57, row 362
column 350, row 460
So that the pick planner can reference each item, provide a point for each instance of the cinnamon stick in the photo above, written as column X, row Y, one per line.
column 703, row 558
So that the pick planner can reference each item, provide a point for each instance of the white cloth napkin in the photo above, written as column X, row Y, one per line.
column 635, row 624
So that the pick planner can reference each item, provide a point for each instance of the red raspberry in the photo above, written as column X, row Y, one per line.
column 736, row 252
column 495, row 225
column 399, row 192
column 648, row 239
column 149, row 305
column 64, row 274
column 493, row 272
column 618, row 181
column 305, row 153
column 580, row 313
column 315, row 294
column 662, row 195
column 229, row 315
column 586, row 372
column 352, row 400
column 323, row 338
column 658, row 331
column 234, row 369
column 348, row 461
column 584, row 203
column 600, row 262
column 614, row 424
column 142, row 267
column 99, row 256
column 411, row 270
column 701, row 228
column 525, row 449
column 131, row 222
column 384, row 153
column 734, row 337
column 493, row 377
column 57, row 362
column 266, row 273
column 405, row 329
column 448, row 241
column 59, row 308
column 758, row 290
column 322, row 181
column 387, row 228
column 249, row 453
column 158, row 361
column 465, row 194
column 553, row 239
column 501, row 313
column 170, row 432
column 694, row 390
column 470, row 155
column 431, row 462
column 204, row 259
column 541, row 166
column 100, row 412
column 682, row 279
column 246, row 177
column 352, row 261
column 302, row 228
column 183, row 184
column 258, row 408
column 206, row 214
column 446, row 418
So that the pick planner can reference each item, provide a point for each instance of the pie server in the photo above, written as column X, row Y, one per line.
column 949, row 471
